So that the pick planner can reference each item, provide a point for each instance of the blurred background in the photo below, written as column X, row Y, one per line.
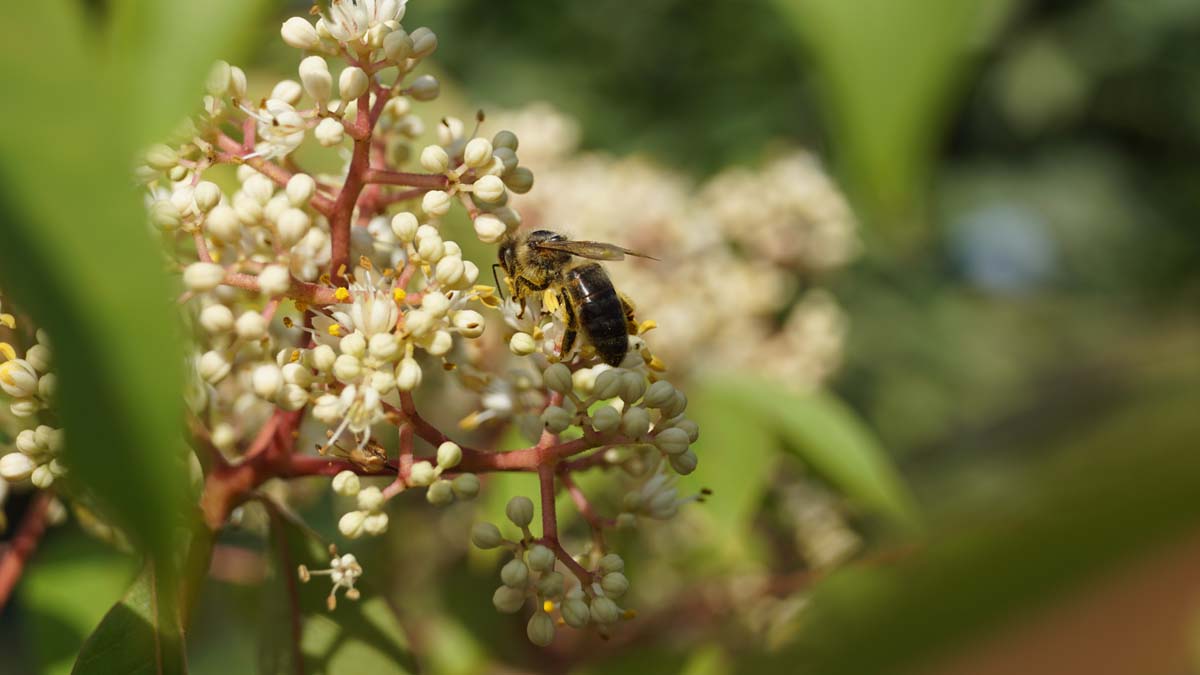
column 930, row 276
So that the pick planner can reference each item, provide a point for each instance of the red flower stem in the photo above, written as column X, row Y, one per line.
column 429, row 181
column 12, row 563
column 299, row 290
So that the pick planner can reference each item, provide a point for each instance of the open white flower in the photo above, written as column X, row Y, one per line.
column 351, row 20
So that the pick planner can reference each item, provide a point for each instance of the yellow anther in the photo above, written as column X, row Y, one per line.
column 324, row 278
column 483, row 291
column 288, row 323
column 6, row 373
column 365, row 263
column 341, row 295
column 398, row 294
column 335, row 330
column 8, row 321
column 388, row 273
column 295, row 356
column 301, row 306
column 341, row 270
column 470, row 422
column 629, row 614
column 490, row 301
column 647, row 326
column 656, row 363
column 548, row 606
column 7, row 351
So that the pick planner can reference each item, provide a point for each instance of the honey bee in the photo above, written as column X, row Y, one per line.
column 543, row 260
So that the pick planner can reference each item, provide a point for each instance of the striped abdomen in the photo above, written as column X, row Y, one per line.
column 598, row 311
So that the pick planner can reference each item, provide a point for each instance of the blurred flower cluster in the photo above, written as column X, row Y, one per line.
column 744, row 254
column 320, row 302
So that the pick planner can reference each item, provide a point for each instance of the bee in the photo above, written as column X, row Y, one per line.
column 543, row 260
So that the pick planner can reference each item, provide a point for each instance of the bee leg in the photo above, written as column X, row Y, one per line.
column 524, row 287
column 569, row 335
column 630, row 320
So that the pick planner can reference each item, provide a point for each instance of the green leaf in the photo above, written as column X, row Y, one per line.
column 832, row 440
column 357, row 637
column 737, row 452
column 139, row 635
column 889, row 72
column 65, row 594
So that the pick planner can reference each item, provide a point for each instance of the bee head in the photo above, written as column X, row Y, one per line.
column 544, row 258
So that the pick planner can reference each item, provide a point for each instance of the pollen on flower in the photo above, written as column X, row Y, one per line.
column 341, row 294
column 335, row 330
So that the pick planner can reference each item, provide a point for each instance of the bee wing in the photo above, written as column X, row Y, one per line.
column 591, row 249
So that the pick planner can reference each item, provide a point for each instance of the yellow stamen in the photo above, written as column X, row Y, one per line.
column 629, row 614
column 647, row 326
column 335, row 330
column 324, row 279
column 6, row 373
column 490, row 301
column 8, row 321
column 7, row 351
column 301, row 306
column 398, row 294
column 656, row 363
column 470, row 422
column 365, row 263
column 341, row 270
column 341, row 295
column 548, row 606
column 295, row 356
column 288, row 323
column 389, row 273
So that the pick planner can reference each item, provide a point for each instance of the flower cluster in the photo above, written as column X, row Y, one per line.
column 321, row 302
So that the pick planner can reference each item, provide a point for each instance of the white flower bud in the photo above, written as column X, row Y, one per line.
column 575, row 613
column 508, row 159
column 486, row 535
column 162, row 157
column 328, row 409
column 42, row 477
column 251, row 326
column 540, row 629
column 314, row 75
column 382, row 381
column 27, row 442
column 259, row 187
column 370, row 499
column 418, row 322
column 206, row 195
column 520, row 511
column 224, row 435
column 449, row 271
column 213, row 367
column 300, row 189
column 604, row 610
column 384, row 346
column 541, row 559
column 505, row 139
column 352, row 83
column 274, row 280
column 346, row 483
column 519, row 180
column 48, row 386
column 558, row 378
column 659, row 394
column 299, row 33
column 38, row 356
column 489, row 228
column 292, row 225
column 424, row 42
column 440, row 493
column 436, row 203
column 267, row 380
column 672, row 441
column 436, row 303
column 222, row 222
column 237, row 82
column 478, row 153
column 15, row 467
column 508, row 600
column 684, row 463
column 522, row 344
column 375, row 524
column 468, row 322
column 489, row 188
column 514, row 574
column 408, row 375
column 288, row 91
column 329, row 132
column 556, row 419
column 422, row 473
column 633, row 386
column 203, row 276
column 351, row 524
column 466, row 486
column 347, row 368
column 675, row 406
column 434, row 159
column 404, row 226
column 583, row 380
column 424, row 88
column 219, row 79
column 449, row 454
column 635, row 422
column 323, row 357
column 353, row 344
column 440, row 343
column 397, row 45
column 165, row 215
column 690, row 428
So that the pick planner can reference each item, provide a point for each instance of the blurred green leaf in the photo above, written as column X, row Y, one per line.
column 138, row 635
column 889, row 72
column 357, row 637
column 829, row 438
column 66, row 593
column 1123, row 485
column 737, row 453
